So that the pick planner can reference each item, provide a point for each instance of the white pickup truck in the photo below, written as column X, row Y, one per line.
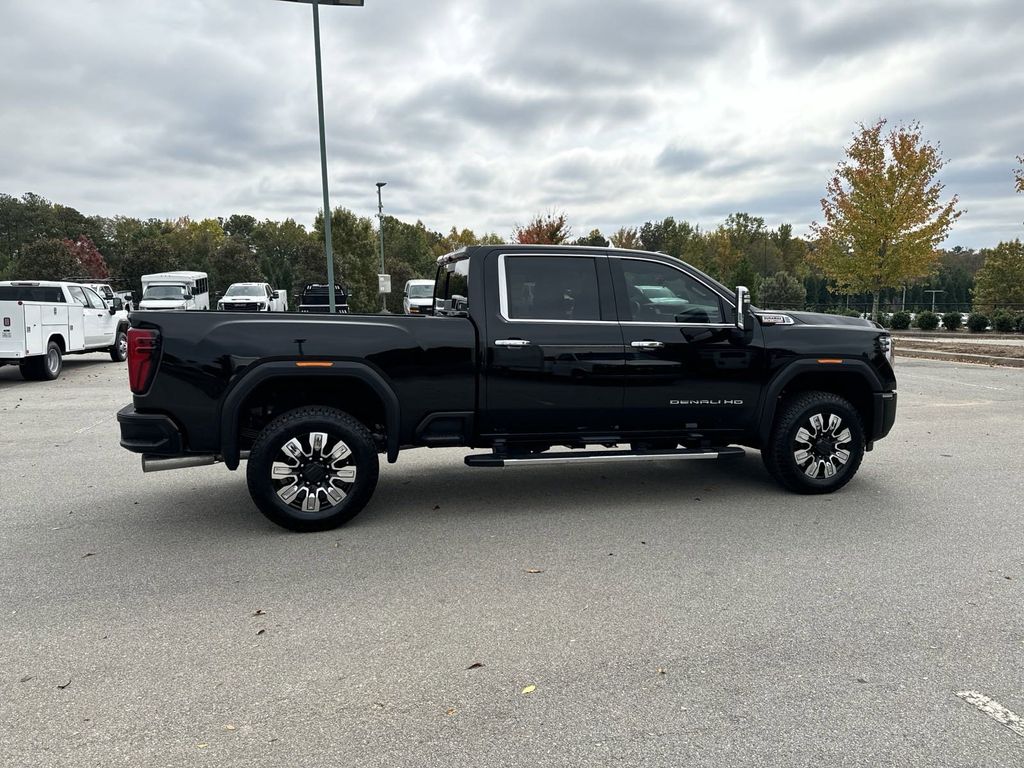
column 253, row 297
column 41, row 321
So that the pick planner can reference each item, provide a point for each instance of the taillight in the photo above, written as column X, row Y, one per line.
column 143, row 346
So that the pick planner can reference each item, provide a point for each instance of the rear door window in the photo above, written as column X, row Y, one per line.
column 550, row 288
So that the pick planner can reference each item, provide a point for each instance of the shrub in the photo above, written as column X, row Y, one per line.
column 1020, row 323
column 885, row 319
column 977, row 322
column 900, row 321
column 927, row 320
column 1003, row 321
column 951, row 321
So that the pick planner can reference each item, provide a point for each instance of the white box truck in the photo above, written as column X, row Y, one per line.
column 41, row 321
column 175, row 290
column 253, row 297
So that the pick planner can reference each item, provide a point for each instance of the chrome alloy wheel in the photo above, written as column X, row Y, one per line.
column 122, row 346
column 53, row 361
column 312, row 473
column 820, row 449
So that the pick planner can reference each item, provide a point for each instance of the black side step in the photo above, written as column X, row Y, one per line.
column 593, row 457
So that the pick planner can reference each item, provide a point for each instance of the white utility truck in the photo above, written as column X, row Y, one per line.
column 175, row 290
column 41, row 321
column 253, row 297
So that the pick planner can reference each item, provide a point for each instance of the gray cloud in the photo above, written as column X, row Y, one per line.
column 480, row 113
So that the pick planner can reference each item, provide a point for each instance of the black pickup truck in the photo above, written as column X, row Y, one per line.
column 612, row 354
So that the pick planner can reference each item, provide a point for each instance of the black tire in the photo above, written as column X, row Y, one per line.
column 119, row 352
column 44, row 367
column 785, row 448
column 313, row 470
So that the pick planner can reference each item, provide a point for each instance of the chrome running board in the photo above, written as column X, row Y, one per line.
column 595, row 457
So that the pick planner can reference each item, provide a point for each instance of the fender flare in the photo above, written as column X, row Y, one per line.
column 286, row 369
column 774, row 388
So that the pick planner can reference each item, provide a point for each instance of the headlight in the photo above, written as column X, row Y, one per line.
column 888, row 349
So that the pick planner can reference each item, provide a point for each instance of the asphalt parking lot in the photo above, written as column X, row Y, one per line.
column 687, row 614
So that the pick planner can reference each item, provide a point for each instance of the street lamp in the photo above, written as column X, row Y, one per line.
column 328, row 244
column 380, row 217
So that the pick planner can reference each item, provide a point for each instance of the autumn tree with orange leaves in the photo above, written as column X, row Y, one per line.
column 545, row 229
column 883, row 217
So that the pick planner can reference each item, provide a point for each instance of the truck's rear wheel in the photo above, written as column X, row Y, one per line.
column 119, row 351
column 43, row 367
column 312, row 469
column 816, row 443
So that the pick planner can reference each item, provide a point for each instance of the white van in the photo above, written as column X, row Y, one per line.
column 418, row 297
column 41, row 321
column 175, row 290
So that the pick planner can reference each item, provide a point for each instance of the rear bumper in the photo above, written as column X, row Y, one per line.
column 885, row 414
column 149, row 433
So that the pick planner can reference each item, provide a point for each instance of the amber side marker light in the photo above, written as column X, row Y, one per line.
column 315, row 364
column 830, row 361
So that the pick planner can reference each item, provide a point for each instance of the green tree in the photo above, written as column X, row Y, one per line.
column 48, row 258
column 625, row 237
column 883, row 217
column 1000, row 281
column 595, row 239
column 232, row 262
column 781, row 291
column 356, row 259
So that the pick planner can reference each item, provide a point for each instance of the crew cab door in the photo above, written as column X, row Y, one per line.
column 100, row 325
column 688, row 368
column 554, row 360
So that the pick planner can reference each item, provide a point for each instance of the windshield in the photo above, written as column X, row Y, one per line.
column 246, row 290
column 421, row 291
column 164, row 292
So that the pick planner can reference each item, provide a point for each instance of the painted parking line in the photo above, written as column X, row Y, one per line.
column 993, row 709
column 904, row 374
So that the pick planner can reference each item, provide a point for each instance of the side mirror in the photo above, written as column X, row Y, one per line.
column 111, row 310
column 117, row 303
column 275, row 295
column 742, row 305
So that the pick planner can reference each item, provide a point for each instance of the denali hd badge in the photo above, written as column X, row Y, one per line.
column 705, row 402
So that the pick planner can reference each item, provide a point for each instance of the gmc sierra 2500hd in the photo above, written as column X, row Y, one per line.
column 530, row 347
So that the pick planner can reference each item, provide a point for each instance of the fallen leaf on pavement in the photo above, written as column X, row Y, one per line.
column 88, row 554
column 62, row 687
column 533, row 570
column 529, row 689
column 451, row 711
column 260, row 612
column 229, row 727
column 25, row 679
column 202, row 746
column 475, row 665
column 661, row 671
column 260, row 632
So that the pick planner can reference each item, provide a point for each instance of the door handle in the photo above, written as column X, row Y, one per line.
column 511, row 343
column 647, row 344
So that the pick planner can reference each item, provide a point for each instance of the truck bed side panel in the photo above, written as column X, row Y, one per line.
column 430, row 362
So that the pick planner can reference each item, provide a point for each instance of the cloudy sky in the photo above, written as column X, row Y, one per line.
column 480, row 113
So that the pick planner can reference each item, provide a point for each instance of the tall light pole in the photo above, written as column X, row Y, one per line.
column 380, row 218
column 933, row 292
column 328, row 243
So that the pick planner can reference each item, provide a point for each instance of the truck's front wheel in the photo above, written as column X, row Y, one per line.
column 816, row 443
column 312, row 469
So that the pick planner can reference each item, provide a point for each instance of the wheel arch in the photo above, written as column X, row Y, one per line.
column 853, row 380
column 341, row 379
column 61, row 341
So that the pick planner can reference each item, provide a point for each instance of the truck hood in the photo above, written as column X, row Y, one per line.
column 161, row 304
column 421, row 302
column 820, row 318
